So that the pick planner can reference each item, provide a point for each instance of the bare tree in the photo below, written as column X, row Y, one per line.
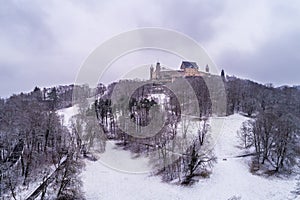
column 246, row 134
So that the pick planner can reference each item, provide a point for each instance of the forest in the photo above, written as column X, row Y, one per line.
column 35, row 146
column 166, row 122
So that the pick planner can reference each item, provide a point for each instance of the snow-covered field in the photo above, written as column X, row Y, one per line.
column 231, row 177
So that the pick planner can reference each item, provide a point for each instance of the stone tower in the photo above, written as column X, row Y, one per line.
column 157, row 70
column 207, row 69
column 151, row 72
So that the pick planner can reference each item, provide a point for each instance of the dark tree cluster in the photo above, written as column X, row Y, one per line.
column 122, row 104
column 33, row 141
column 202, row 93
column 251, row 98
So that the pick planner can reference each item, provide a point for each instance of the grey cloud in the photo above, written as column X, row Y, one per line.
column 24, row 26
column 51, row 39
column 189, row 17
column 277, row 61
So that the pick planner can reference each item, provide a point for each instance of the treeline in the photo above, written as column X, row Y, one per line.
column 63, row 96
column 250, row 97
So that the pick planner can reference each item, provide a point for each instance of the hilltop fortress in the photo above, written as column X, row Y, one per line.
column 187, row 68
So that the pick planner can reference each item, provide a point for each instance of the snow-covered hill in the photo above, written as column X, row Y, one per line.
column 231, row 178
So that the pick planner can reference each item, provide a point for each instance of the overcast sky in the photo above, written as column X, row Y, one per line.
column 44, row 43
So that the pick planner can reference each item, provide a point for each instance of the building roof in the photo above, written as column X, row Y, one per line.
column 187, row 64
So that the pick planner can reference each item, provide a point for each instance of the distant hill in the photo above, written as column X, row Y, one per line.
column 286, row 86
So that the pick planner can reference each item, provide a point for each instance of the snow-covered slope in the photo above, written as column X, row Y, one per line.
column 230, row 178
column 67, row 113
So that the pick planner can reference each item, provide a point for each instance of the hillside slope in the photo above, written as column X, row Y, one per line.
column 230, row 178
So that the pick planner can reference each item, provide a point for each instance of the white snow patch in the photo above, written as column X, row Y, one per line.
column 67, row 113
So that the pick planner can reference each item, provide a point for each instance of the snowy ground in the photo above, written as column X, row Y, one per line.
column 67, row 113
column 231, row 177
